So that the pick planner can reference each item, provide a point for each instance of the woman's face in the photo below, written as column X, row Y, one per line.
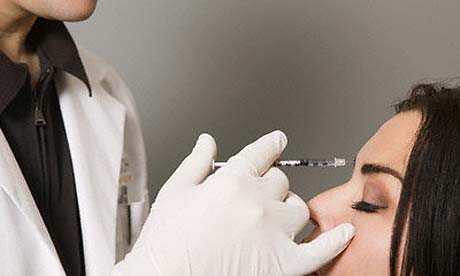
column 369, row 199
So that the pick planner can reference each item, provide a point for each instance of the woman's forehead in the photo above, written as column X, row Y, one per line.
column 391, row 145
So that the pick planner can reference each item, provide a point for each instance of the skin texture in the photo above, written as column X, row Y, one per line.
column 18, row 16
column 369, row 251
column 64, row 10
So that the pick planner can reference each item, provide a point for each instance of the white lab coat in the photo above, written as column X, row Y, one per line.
column 101, row 130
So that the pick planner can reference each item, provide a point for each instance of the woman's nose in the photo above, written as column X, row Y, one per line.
column 331, row 208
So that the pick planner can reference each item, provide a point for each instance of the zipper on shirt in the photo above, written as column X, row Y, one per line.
column 40, row 123
column 39, row 117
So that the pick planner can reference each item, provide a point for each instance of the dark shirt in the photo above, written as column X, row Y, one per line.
column 32, row 123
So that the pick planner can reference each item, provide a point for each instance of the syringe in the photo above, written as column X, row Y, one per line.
column 336, row 162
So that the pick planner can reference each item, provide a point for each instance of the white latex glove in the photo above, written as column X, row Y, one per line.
column 241, row 220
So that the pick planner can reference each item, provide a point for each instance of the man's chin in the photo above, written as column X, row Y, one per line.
column 79, row 11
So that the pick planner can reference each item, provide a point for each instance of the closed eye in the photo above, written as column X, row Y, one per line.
column 367, row 207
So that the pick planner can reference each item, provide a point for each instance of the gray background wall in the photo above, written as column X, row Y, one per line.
column 326, row 72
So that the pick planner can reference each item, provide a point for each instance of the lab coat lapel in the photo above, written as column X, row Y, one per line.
column 14, row 184
column 95, row 131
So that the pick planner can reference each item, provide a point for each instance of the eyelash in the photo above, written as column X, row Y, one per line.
column 367, row 207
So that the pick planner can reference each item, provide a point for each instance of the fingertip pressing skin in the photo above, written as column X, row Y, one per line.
column 326, row 247
column 349, row 230
column 332, row 242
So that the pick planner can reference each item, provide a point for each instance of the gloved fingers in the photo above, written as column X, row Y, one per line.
column 290, row 216
column 297, row 205
column 315, row 254
column 295, row 200
column 197, row 166
column 256, row 158
column 274, row 184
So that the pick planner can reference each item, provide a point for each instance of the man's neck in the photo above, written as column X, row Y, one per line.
column 15, row 25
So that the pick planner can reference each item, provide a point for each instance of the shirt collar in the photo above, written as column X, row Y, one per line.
column 53, row 40
column 12, row 78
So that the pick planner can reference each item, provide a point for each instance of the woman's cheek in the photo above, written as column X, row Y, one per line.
column 368, row 252
column 372, row 243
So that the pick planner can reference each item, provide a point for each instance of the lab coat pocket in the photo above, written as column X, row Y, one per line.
column 130, row 219
column 139, row 213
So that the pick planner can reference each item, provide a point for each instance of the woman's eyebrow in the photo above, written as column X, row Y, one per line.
column 369, row 168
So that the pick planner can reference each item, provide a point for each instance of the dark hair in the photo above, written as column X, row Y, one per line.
column 429, row 205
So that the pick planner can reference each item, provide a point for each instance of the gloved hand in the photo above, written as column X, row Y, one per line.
column 241, row 220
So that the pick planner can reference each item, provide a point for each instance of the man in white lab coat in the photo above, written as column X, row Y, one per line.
column 73, row 185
